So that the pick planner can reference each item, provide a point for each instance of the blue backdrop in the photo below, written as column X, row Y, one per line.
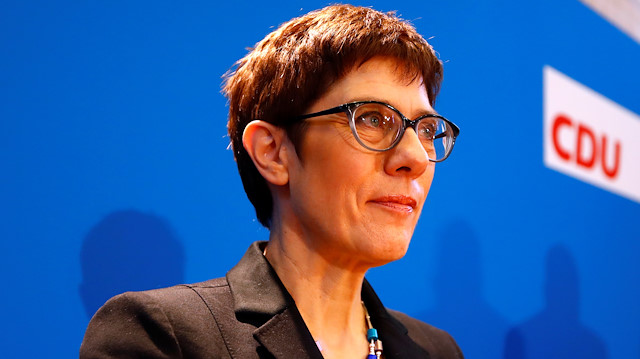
column 116, row 173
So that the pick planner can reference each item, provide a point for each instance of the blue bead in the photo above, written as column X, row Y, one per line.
column 371, row 356
column 372, row 334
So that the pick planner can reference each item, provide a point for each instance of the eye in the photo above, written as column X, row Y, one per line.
column 372, row 119
column 376, row 125
column 427, row 130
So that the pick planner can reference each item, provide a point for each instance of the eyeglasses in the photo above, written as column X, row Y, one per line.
column 379, row 127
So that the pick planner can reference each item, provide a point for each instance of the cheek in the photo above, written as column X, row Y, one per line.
column 340, row 168
column 428, row 178
column 326, row 178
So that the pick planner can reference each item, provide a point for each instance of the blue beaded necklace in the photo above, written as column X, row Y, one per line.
column 375, row 344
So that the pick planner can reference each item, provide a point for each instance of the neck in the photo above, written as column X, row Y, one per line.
column 327, row 294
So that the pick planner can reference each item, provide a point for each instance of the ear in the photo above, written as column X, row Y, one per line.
column 266, row 146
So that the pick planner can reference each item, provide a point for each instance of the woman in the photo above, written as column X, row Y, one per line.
column 336, row 140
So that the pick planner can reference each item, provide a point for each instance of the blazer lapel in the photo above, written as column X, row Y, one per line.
column 286, row 336
column 393, row 334
column 260, row 299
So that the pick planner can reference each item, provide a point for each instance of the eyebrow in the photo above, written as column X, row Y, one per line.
column 379, row 99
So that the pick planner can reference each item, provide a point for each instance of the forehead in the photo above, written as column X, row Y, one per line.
column 380, row 78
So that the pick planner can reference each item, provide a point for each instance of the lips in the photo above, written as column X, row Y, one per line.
column 397, row 202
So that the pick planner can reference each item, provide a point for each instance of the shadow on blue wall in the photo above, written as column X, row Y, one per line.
column 556, row 332
column 460, row 306
column 128, row 250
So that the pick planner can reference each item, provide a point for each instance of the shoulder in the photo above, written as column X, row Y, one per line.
column 154, row 323
column 179, row 305
column 172, row 299
column 437, row 342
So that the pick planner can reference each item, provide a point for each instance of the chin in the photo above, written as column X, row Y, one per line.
column 389, row 248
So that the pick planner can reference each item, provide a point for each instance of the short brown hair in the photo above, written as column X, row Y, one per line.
column 294, row 65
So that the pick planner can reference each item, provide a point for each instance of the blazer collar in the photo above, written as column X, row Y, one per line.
column 261, row 299
column 255, row 286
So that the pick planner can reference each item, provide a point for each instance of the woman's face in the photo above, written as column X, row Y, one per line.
column 353, row 205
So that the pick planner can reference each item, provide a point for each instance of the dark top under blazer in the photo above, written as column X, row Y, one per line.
column 248, row 314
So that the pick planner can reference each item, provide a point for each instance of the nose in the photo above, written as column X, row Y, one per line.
column 408, row 157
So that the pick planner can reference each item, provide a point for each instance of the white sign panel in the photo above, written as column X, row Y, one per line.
column 625, row 14
column 589, row 137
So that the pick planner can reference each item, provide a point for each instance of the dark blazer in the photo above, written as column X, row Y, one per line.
column 248, row 314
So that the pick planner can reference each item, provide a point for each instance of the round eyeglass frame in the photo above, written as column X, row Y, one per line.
column 349, row 110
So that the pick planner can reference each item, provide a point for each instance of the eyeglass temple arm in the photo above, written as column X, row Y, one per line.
column 321, row 113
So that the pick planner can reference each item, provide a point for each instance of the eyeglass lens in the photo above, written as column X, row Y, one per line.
column 379, row 127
